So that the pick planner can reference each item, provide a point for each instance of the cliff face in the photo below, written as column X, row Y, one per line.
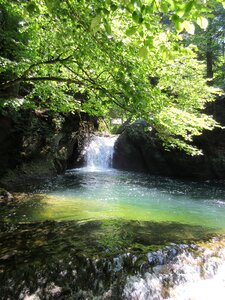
column 140, row 151
column 36, row 143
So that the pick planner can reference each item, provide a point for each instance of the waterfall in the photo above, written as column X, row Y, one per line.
column 99, row 152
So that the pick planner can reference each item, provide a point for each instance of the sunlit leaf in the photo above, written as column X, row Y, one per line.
column 125, row 2
column 149, row 42
column 113, row 69
column 95, row 23
column 179, row 26
column 172, row 4
column 202, row 22
column 143, row 52
column 189, row 27
column 189, row 6
column 108, row 28
column 130, row 31
column 180, row 12
column 164, row 7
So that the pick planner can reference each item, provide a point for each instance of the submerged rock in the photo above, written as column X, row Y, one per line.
column 69, row 275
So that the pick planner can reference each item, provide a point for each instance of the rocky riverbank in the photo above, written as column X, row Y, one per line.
column 40, row 144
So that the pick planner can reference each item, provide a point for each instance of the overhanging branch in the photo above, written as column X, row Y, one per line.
column 24, row 76
column 43, row 78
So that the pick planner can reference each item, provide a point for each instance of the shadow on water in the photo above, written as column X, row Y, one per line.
column 108, row 234
column 80, row 260
column 91, row 238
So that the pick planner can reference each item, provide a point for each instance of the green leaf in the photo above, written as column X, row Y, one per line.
column 106, row 11
column 149, row 42
column 175, row 18
column 188, row 7
column 108, row 28
column 125, row 2
column 113, row 7
column 172, row 4
column 52, row 5
column 202, row 22
column 137, row 17
column 180, row 12
column 149, row 9
column 130, row 31
column 164, row 7
column 130, row 7
column 189, row 27
column 95, row 23
column 143, row 8
column 143, row 52
column 32, row 7
column 178, row 22
column 179, row 26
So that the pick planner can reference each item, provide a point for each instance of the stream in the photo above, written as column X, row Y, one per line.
column 100, row 233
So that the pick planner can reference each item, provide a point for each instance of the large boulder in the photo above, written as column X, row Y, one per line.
column 139, row 150
column 38, row 143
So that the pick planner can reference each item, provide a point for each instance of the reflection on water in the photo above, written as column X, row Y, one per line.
column 80, row 195
column 113, row 235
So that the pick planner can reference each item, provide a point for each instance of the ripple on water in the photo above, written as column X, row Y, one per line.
column 86, row 236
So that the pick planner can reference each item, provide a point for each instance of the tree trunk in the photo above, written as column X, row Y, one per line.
column 209, row 57
column 209, row 61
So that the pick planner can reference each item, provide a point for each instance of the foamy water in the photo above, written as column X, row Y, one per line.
column 99, row 153
column 190, row 277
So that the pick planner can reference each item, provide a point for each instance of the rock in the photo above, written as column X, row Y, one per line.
column 40, row 144
column 138, row 150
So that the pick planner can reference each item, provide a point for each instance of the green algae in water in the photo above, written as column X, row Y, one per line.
column 55, row 269
column 80, row 195
column 81, row 235
column 48, row 240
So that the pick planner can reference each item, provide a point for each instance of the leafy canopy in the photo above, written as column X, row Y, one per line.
column 101, row 56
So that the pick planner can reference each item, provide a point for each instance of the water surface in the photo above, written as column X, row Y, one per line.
column 99, row 234
column 84, row 195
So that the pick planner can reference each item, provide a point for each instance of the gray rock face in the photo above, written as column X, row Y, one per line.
column 138, row 150
column 39, row 144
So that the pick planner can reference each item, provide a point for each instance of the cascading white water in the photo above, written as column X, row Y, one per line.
column 99, row 152
column 189, row 277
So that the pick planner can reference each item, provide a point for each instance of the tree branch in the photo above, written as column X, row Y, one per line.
column 47, row 62
column 24, row 77
column 43, row 78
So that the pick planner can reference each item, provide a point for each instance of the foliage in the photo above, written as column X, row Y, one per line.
column 210, row 43
column 107, row 56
